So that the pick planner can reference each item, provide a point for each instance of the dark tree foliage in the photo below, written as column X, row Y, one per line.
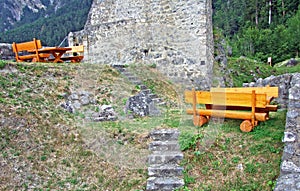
column 49, row 25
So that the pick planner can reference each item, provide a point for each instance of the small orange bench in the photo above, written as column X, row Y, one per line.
column 75, row 55
column 249, row 104
column 33, row 55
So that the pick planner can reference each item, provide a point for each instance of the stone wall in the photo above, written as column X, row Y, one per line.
column 6, row 52
column 289, row 178
column 289, row 97
column 283, row 82
column 175, row 35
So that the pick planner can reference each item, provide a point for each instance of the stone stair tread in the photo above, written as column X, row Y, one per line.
column 161, row 103
column 165, row 170
column 164, row 135
column 162, row 183
column 164, row 146
column 143, row 87
column 146, row 91
column 167, row 153
column 165, row 158
column 153, row 96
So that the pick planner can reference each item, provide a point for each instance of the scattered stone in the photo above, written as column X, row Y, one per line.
column 76, row 101
column 292, row 62
column 289, row 137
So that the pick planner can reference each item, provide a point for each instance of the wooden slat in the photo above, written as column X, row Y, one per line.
column 76, row 49
column 226, row 98
column 25, row 46
column 229, row 114
column 219, row 107
column 272, row 92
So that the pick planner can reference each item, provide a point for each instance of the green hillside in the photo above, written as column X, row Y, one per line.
column 45, row 147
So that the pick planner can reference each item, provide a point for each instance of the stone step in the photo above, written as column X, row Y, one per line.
column 165, row 170
column 165, row 158
column 136, row 82
column 157, row 100
column 132, row 78
column 146, row 91
column 143, row 87
column 118, row 65
column 121, row 69
column 164, row 184
column 165, row 135
column 153, row 96
column 164, row 146
column 161, row 104
column 127, row 74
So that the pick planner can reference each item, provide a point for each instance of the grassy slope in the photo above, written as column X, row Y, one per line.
column 244, row 70
column 42, row 146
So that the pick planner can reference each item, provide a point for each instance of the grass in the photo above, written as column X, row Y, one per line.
column 44, row 147
column 236, row 160
column 244, row 70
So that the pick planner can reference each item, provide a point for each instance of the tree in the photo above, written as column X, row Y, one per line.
column 294, row 33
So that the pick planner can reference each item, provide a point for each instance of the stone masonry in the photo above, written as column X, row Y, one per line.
column 164, row 171
column 176, row 35
column 289, row 179
column 289, row 97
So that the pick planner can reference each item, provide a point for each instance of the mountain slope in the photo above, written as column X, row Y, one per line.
column 47, row 20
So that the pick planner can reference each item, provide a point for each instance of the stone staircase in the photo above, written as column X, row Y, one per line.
column 164, row 171
column 144, row 90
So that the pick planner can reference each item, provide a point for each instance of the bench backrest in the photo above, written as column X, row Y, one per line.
column 272, row 92
column 227, row 98
column 24, row 46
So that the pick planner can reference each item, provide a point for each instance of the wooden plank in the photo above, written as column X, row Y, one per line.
column 226, row 98
column 272, row 92
column 253, row 104
column 28, row 46
column 229, row 114
column 76, row 49
column 219, row 107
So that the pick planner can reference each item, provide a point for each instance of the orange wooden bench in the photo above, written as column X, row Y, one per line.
column 22, row 54
column 249, row 104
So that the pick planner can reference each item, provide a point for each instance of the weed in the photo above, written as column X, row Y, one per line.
column 189, row 141
column 2, row 64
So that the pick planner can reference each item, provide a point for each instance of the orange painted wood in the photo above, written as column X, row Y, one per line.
column 271, row 92
column 199, row 120
column 253, row 105
column 31, row 46
column 246, row 126
column 75, row 54
column 229, row 114
column 227, row 99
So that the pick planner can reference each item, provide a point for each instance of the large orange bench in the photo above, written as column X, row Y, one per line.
column 249, row 104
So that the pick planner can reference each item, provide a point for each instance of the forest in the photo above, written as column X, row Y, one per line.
column 256, row 29
column 259, row 29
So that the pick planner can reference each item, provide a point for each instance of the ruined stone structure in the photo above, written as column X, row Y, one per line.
column 289, row 97
column 175, row 35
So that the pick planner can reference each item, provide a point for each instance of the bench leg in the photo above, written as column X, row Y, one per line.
column 246, row 126
column 199, row 120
